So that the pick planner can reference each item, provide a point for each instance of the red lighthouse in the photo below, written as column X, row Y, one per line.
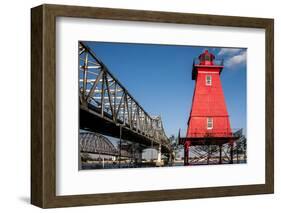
column 208, row 123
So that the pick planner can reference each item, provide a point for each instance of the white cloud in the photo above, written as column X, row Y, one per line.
column 236, row 59
column 228, row 51
column 233, row 56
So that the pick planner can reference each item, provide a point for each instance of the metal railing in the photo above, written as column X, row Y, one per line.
column 217, row 62
column 209, row 133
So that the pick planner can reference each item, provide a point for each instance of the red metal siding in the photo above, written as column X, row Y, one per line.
column 208, row 101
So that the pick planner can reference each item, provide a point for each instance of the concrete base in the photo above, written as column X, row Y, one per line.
column 160, row 163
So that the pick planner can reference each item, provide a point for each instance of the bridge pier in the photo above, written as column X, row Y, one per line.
column 137, row 156
column 171, row 159
column 159, row 160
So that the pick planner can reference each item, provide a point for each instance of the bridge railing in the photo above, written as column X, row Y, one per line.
column 102, row 93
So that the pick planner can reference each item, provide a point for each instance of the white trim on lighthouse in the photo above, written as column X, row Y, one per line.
column 209, row 123
column 208, row 80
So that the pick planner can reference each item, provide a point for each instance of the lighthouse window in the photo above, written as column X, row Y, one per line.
column 209, row 123
column 208, row 80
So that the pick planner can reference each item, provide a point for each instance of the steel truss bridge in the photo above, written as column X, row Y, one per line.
column 95, row 143
column 106, row 107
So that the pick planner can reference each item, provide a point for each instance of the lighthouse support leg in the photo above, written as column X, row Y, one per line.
column 208, row 155
column 237, row 153
column 186, row 154
column 184, row 157
column 231, row 153
column 220, row 149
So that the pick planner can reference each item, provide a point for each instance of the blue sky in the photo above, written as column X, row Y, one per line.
column 159, row 78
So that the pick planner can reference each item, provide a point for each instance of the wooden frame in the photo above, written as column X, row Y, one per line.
column 43, row 105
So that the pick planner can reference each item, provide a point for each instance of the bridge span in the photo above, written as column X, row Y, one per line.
column 107, row 107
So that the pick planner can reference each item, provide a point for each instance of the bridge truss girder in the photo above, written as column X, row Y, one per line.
column 103, row 96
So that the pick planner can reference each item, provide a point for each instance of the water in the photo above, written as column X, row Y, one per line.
column 116, row 165
column 106, row 165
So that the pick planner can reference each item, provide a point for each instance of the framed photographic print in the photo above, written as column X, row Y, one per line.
column 137, row 106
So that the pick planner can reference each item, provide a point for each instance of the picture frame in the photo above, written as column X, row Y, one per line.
column 43, row 105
